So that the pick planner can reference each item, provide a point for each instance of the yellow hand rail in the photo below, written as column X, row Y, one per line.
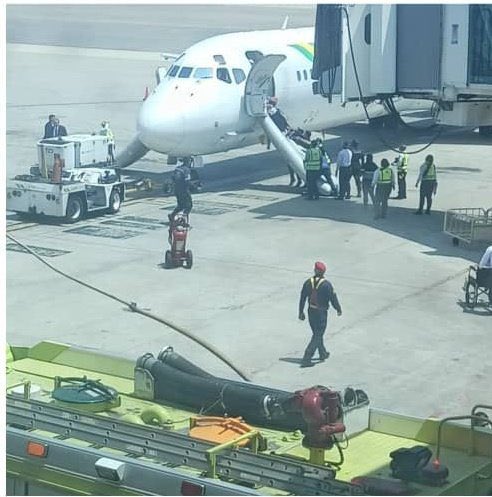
column 212, row 453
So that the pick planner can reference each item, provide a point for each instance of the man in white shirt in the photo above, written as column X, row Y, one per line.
column 486, row 260
column 485, row 269
column 344, row 171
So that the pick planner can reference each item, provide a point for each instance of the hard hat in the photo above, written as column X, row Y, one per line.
column 319, row 266
column 402, row 148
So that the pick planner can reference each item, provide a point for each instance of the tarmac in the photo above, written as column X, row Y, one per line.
column 405, row 336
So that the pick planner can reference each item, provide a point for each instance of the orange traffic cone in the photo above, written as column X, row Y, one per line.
column 146, row 93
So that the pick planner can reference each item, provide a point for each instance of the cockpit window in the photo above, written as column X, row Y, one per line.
column 203, row 73
column 223, row 75
column 173, row 71
column 185, row 72
column 239, row 75
column 219, row 59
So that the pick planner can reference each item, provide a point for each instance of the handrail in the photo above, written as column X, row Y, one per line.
column 455, row 418
column 211, row 454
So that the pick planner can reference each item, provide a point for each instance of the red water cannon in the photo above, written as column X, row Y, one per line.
column 322, row 411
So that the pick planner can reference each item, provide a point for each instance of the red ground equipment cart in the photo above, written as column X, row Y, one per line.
column 178, row 233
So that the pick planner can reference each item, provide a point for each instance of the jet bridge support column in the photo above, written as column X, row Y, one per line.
column 257, row 91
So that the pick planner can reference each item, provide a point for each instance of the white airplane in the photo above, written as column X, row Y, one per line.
column 200, row 106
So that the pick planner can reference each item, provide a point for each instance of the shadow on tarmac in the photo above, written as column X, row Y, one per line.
column 400, row 221
column 481, row 309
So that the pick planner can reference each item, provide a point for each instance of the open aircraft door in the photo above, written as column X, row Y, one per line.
column 259, row 84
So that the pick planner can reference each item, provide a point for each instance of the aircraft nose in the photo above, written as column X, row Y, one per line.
column 160, row 126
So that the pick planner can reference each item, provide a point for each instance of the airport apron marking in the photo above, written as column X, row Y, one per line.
column 43, row 251
column 132, row 224
column 104, row 232
column 144, row 220
column 249, row 196
column 212, row 208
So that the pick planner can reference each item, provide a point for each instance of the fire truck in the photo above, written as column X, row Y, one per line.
column 72, row 178
column 83, row 423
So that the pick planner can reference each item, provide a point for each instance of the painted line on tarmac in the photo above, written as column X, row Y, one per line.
column 86, row 52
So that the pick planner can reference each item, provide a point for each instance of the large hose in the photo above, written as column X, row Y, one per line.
column 258, row 405
column 133, row 307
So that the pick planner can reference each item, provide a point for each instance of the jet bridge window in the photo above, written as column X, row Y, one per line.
column 223, row 75
column 185, row 72
column 173, row 71
column 239, row 75
column 203, row 73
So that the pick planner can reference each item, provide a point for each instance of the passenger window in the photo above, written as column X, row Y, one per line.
column 298, row 75
column 219, row 59
column 203, row 73
column 239, row 75
column 223, row 75
column 305, row 74
column 173, row 71
column 185, row 72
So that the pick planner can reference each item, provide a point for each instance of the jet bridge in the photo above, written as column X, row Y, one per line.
column 438, row 52
column 258, row 89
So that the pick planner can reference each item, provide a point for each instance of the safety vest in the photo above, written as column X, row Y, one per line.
column 313, row 298
column 384, row 176
column 430, row 174
column 108, row 134
column 312, row 160
column 403, row 163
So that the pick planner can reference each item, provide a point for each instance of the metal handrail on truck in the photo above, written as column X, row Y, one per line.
column 469, row 224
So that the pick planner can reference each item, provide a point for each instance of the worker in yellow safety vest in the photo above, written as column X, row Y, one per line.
column 428, row 184
column 312, row 165
column 384, row 181
column 106, row 131
column 401, row 163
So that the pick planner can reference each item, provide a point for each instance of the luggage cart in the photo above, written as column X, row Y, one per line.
column 469, row 225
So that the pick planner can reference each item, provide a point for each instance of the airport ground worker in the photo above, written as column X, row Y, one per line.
column 312, row 165
column 320, row 293
column 401, row 164
column 60, row 130
column 182, row 183
column 368, row 168
column 108, row 133
column 326, row 167
column 383, row 181
column 428, row 184
column 49, row 127
column 356, row 164
column 344, row 171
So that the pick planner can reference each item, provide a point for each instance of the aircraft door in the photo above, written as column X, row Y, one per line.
column 259, row 84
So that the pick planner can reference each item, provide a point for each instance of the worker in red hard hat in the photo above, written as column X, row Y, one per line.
column 320, row 293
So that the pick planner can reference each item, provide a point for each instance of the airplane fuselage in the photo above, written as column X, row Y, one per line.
column 198, row 107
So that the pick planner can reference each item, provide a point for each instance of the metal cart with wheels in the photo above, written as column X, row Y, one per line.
column 469, row 225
